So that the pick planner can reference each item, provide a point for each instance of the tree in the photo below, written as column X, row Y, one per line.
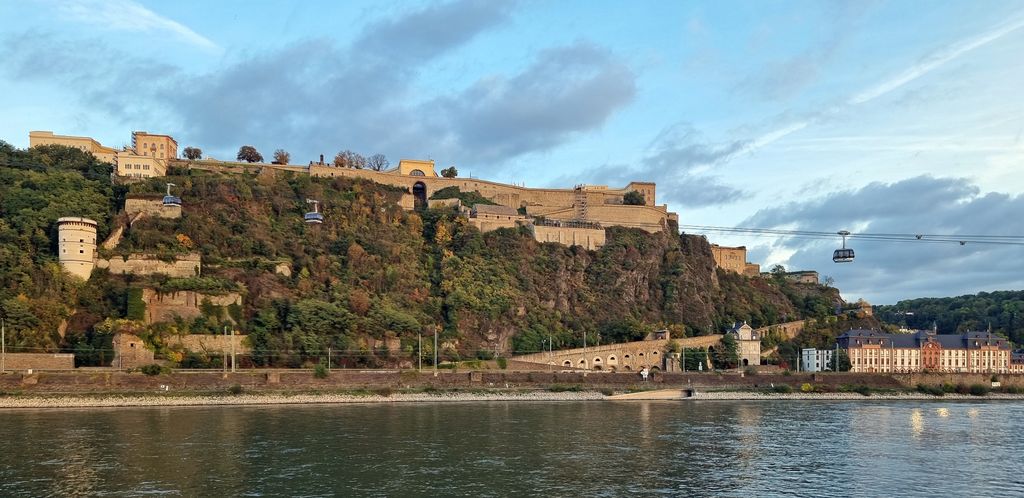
column 349, row 159
column 450, row 172
column 193, row 153
column 727, row 354
column 249, row 154
column 377, row 162
column 843, row 359
column 633, row 198
column 828, row 281
column 281, row 156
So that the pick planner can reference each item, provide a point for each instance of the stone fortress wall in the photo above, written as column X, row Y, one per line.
column 204, row 343
column 164, row 307
column 39, row 361
column 184, row 266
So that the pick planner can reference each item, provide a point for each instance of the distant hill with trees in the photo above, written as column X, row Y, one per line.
column 1002, row 310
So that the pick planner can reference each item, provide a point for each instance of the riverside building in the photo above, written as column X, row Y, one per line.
column 970, row 352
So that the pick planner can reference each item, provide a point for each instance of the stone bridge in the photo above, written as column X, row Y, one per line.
column 623, row 357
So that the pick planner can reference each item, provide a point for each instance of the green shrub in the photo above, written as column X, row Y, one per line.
column 978, row 390
column 948, row 387
column 782, row 389
column 1013, row 389
column 502, row 363
column 862, row 390
column 561, row 388
column 933, row 390
column 320, row 371
column 235, row 389
column 383, row 391
column 607, row 391
column 750, row 371
column 962, row 389
column 787, row 373
column 154, row 369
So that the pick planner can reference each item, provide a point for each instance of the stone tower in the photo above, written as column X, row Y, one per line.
column 77, row 246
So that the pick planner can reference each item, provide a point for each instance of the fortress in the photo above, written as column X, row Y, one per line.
column 569, row 216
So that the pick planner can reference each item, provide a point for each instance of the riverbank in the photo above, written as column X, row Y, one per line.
column 899, row 396
column 112, row 400
column 140, row 400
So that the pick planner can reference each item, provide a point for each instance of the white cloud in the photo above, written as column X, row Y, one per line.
column 923, row 67
column 126, row 15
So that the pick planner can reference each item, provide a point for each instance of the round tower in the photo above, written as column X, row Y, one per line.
column 77, row 245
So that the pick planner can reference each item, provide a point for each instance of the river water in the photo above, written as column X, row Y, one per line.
column 799, row 448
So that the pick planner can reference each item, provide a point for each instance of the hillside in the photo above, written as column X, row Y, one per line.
column 372, row 271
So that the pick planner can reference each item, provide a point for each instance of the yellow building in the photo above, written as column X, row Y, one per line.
column 132, row 165
column 86, row 144
column 415, row 167
column 155, row 146
column 748, row 343
column 732, row 259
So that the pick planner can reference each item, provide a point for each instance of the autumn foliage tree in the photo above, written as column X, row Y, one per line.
column 282, row 156
column 249, row 154
column 349, row 159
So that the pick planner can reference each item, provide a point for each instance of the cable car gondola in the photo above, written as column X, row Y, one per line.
column 314, row 217
column 171, row 200
column 843, row 255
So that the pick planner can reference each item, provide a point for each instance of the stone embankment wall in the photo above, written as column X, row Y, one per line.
column 39, row 361
column 202, row 343
column 95, row 380
column 789, row 329
column 935, row 379
column 163, row 307
column 184, row 266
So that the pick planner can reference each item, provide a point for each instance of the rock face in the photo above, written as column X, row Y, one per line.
column 185, row 304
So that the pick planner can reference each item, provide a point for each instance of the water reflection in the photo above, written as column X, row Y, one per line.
column 498, row 449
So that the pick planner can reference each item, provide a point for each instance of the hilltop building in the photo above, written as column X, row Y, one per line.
column 146, row 158
column 971, row 352
column 576, row 216
column 86, row 144
column 734, row 259
column 749, row 342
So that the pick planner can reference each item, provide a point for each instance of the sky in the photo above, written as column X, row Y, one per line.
column 867, row 116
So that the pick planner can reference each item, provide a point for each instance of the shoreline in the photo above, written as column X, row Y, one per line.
column 102, row 400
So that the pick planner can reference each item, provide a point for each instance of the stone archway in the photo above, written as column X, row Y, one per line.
column 419, row 194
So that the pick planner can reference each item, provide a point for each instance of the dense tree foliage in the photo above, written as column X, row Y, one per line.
column 249, row 154
column 371, row 274
column 1002, row 310
column 633, row 198
column 193, row 153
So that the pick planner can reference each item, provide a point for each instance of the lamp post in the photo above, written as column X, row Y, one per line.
column 3, row 345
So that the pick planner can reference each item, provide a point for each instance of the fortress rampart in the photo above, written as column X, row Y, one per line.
column 164, row 307
column 187, row 265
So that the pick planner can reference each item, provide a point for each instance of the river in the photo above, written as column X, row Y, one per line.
column 797, row 448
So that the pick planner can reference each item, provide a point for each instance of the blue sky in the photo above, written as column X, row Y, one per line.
column 895, row 117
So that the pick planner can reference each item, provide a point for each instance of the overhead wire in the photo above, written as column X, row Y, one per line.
column 985, row 239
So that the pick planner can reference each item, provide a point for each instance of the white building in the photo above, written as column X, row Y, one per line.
column 816, row 360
